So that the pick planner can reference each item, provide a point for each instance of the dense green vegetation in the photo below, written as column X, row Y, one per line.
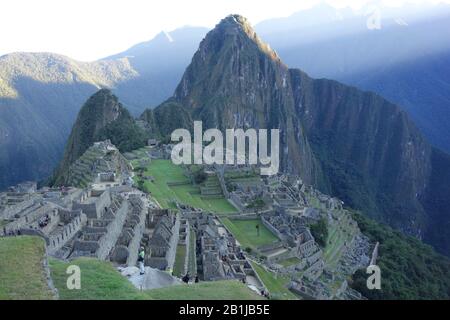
column 200, row 176
column 22, row 275
column 409, row 268
column 101, row 281
column 124, row 133
column 438, row 201
column 319, row 231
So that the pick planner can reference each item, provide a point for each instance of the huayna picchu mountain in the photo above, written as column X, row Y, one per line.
column 102, row 117
column 346, row 142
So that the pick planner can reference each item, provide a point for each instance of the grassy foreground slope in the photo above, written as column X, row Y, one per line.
column 22, row 274
column 101, row 281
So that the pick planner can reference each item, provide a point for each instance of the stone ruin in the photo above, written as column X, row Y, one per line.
column 127, row 246
column 218, row 255
column 162, row 244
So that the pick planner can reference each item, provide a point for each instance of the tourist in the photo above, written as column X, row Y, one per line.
column 186, row 278
column 196, row 279
column 141, row 257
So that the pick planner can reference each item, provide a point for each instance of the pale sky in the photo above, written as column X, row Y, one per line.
column 91, row 29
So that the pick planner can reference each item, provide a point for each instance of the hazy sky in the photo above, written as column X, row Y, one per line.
column 92, row 29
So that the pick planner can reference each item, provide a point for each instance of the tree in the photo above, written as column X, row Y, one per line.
column 320, row 232
column 200, row 176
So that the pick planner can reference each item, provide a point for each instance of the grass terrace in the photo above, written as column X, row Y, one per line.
column 246, row 233
column 180, row 258
column 339, row 234
column 290, row 262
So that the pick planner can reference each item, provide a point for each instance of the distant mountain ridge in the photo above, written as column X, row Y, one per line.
column 41, row 94
column 406, row 60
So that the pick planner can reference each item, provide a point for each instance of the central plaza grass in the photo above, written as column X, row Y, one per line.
column 246, row 233
column 22, row 275
column 101, row 281
column 165, row 174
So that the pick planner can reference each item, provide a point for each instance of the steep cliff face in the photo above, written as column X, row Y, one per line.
column 102, row 117
column 350, row 143
column 372, row 155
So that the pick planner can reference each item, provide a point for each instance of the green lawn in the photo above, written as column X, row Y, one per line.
column 290, row 262
column 192, row 257
column 209, row 290
column 101, row 281
column 276, row 285
column 164, row 172
column 22, row 275
column 180, row 258
column 246, row 233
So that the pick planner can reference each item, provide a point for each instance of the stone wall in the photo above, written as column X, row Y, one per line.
column 100, row 235
column 29, row 220
column 114, row 229
column 57, row 241
column 94, row 207
column 173, row 242
column 10, row 211
column 135, row 243
column 274, row 230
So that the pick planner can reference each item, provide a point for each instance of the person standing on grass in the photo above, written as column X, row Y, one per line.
column 141, row 256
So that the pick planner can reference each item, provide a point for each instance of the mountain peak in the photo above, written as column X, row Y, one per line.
column 235, row 20
column 226, row 55
column 238, row 27
column 236, row 24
